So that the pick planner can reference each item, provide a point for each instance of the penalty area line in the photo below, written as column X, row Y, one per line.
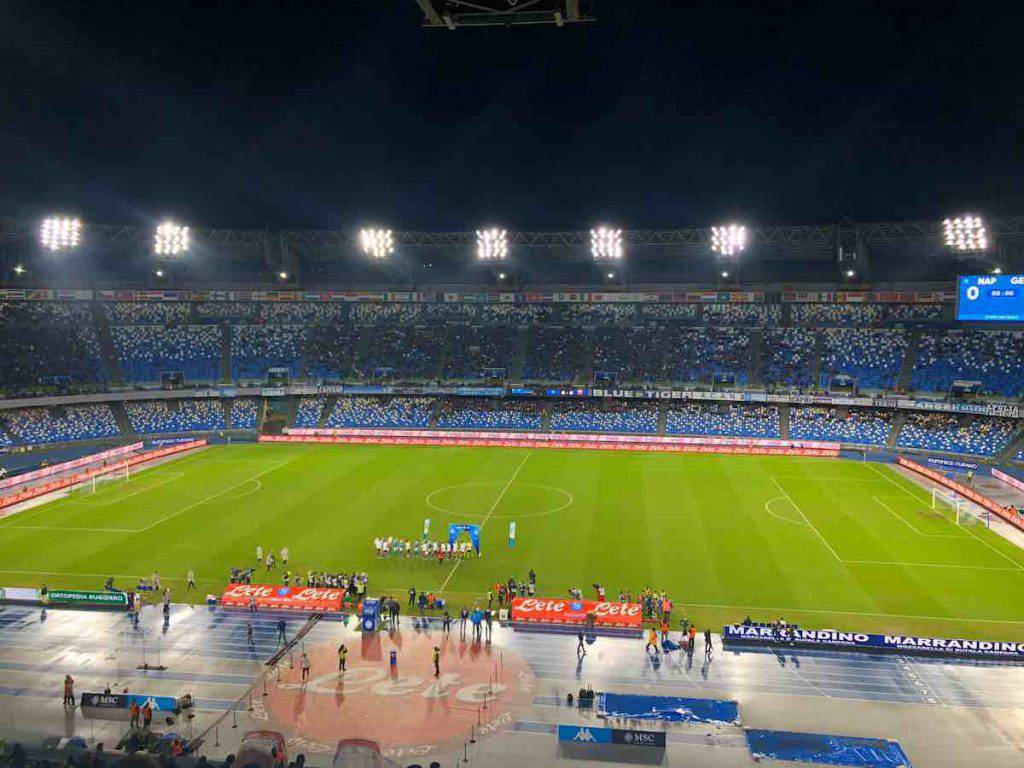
column 809, row 523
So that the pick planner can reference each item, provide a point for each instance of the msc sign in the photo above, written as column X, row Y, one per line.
column 584, row 734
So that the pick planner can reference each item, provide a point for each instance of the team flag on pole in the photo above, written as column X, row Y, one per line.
column 426, row 527
column 511, row 534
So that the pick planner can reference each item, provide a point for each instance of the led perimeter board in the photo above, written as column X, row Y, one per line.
column 993, row 298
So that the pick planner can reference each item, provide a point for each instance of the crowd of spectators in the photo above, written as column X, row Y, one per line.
column 331, row 350
column 629, row 354
column 722, row 419
column 147, row 312
column 255, row 348
column 915, row 313
column 381, row 412
column 400, row 351
column 551, row 353
column 310, row 410
column 865, row 426
column 982, row 436
column 836, row 314
column 472, row 349
column 227, row 310
column 604, row 416
column 146, row 351
column 741, row 314
column 35, row 426
column 872, row 357
column 48, row 343
column 194, row 415
column 487, row 413
column 788, row 356
column 244, row 412
column 703, row 354
column 995, row 358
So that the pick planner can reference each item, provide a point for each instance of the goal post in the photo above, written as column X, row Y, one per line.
column 94, row 483
column 947, row 502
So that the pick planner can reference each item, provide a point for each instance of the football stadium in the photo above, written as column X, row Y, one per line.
column 338, row 492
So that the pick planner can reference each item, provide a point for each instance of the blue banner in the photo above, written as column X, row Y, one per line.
column 457, row 529
column 941, row 462
column 860, row 641
column 668, row 708
column 584, row 734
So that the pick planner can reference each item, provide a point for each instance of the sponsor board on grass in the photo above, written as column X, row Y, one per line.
column 556, row 611
column 124, row 700
column 19, row 595
column 830, row 638
column 86, row 597
column 278, row 596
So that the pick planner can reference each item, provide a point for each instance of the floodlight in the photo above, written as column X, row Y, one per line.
column 606, row 243
column 997, row 270
column 60, row 233
column 728, row 239
column 501, row 275
column 965, row 233
column 491, row 244
column 171, row 239
column 725, row 274
column 159, row 273
column 283, row 275
column 611, row 275
column 377, row 243
column 850, row 273
column 19, row 269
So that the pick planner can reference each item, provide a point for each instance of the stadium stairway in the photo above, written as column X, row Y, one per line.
column 784, row 422
column 515, row 365
column 226, row 407
column 325, row 414
column 225, row 351
column 662, row 418
column 114, row 373
column 819, row 349
column 898, row 420
column 909, row 360
column 435, row 414
column 1006, row 455
column 121, row 417
column 756, row 352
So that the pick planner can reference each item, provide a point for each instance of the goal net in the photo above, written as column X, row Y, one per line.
column 97, row 482
column 947, row 503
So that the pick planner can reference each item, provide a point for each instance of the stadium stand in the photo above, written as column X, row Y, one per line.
column 48, row 343
column 550, row 353
column 863, row 426
column 399, row 351
column 256, row 348
column 147, row 351
column 389, row 412
column 724, row 420
column 604, row 416
column 147, row 312
column 155, row 416
column 788, row 357
column 995, row 358
column 951, row 433
column 741, row 314
column 836, row 314
column 915, row 313
column 634, row 355
column 244, row 412
column 309, row 411
column 35, row 426
column 471, row 349
column 707, row 354
column 872, row 357
column 226, row 310
column 331, row 350
column 486, row 413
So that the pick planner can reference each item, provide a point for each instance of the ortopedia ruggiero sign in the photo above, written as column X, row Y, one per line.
column 738, row 634
column 102, row 599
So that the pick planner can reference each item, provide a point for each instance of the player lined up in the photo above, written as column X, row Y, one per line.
column 394, row 546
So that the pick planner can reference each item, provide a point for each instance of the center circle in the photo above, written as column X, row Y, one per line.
column 478, row 499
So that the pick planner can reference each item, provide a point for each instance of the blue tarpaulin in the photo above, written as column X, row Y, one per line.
column 827, row 750
column 668, row 708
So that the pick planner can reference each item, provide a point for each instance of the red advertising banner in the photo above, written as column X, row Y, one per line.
column 55, row 469
column 542, row 610
column 276, row 596
column 963, row 490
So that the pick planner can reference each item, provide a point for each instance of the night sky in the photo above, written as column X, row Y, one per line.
column 660, row 114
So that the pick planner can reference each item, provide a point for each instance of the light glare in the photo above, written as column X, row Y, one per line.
column 965, row 233
column 606, row 243
column 491, row 244
column 171, row 239
column 728, row 239
column 60, row 233
column 377, row 243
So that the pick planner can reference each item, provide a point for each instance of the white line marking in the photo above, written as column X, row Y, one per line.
column 67, row 528
column 487, row 517
column 810, row 525
column 768, row 509
column 950, row 566
column 119, row 499
column 965, row 529
column 105, row 575
column 429, row 500
column 914, row 528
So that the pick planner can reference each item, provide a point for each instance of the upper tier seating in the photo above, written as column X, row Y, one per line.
column 146, row 351
column 977, row 435
column 552, row 353
column 995, row 358
column 257, row 348
column 864, row 426
column 471, row 349
column 722, row 419
column 701, row 354
column 872, row 357
column 599, row 416
column 156, row 416
column 486, row 413
column 741, row 314
column 381, row 412
column 44, row 340
column 631, row 354
column 788, row 356
column 860, row 315
column 147, row 312
column 34, row 426
column 244, row 412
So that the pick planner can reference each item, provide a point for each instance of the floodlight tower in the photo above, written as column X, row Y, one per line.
column 966, row 233
column 377, row 243
column 491, row 244
column 607, row 250
column 171, row 239
column 60, row 233
column 728, row 239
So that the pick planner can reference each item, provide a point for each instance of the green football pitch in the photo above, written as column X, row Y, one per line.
column 827, row 543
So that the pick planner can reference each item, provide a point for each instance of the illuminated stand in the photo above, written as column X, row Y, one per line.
column 457, row 529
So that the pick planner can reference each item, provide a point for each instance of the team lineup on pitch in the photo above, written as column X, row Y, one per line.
column 823, row 542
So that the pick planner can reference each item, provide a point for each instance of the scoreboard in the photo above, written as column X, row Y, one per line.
column 994, row 298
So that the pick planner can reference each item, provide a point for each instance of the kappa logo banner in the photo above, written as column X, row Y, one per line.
column 547, row 611
column 277, row 596
column 578, row 734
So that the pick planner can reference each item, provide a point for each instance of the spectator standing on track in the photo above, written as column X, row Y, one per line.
column 284, row 557
column 490, row 599
column 248, row 633
column 652, row 641
column 304, row 663
column 133, row 710
column 487, row 620
column 693, row 639
column 423, row 602
column 707, row 644
column 259, row 553
column 463, row 617
column 342, row 657
column 190, row 579
column 69, row 691
column 446, row 622
column 252, row 604
column 147, row 714
column 581, row 648
column 281, row 631
column 435, row 656
column 412, row 597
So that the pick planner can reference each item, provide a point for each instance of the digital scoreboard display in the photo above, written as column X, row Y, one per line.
column 992, row 298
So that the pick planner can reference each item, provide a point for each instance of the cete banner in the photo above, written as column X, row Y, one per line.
column 557, row 611
column 277, row 596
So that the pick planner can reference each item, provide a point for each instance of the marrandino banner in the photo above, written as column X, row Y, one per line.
column 858, row 641
column 80, row 597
